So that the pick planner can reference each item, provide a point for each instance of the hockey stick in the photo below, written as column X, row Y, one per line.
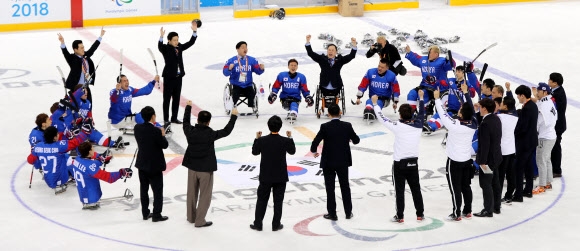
column 87, row 81
column 108, row 143
column 120, row 69
column 131, row 163
column 31, row 173
column 484, row 50
column 155, row 63
column 127, row 195
column 483, row 72
column 63, row 80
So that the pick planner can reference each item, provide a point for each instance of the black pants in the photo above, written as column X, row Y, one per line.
column 524, row 167
column 489, row 184
column 278, row 190
column 155, row 179
column 171, row 91
column 557, row 155
column 507, row 171
column 459, row 180
column 407, row 169
column 330, row 174
column 248, row 92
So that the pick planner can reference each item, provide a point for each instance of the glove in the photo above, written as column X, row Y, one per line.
column 272, row 97
column 126, row 172
column 430, row 80
column 396, row 100
column 107, row 153
column 104, row 159
column 87, row 126
column 401, row 69
column 309, row 100
column 359, row 94
column 468, row 67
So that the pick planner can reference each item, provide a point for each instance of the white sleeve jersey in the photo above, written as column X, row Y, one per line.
column 460, row 134
column 407, row 135
column 547, row 118
column 508, row 126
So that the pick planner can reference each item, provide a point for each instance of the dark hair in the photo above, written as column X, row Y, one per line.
column 274, row 123
column 510, row 102
column 49, row 134
column 85, row 149
column 384, row 61
column 489, row 83
column 292, row 60
column 406, row 111
column 171, row 35
column 120, row 77
column 466, row 111
column 239, row 44
column 203, row 117
column 557, row 77
column 54, row 107
column 40, row 118
column 488, row 104
column 333, row 110
column 497, row 100
column 460, row 68
column 336, row 48
column 147, row 113
column 524, row 90
column 76, row 43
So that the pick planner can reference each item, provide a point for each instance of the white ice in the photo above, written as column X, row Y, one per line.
column 534, row 40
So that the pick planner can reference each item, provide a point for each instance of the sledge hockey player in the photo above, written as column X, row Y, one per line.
column 239, row 69
column 455, row 97
column 52, row 155
column 434, row 71
column 42, row 121
column 120, row 115
column 85, row 110
column 292, row 84
column 87, row 172
column 381, row 82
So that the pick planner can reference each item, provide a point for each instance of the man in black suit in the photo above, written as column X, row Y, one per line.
column 82, row 68
column 273, row 171
column 489, row 157
column 201, row 161
column 526, row 135
column 151, row 163
column 336, row 159
column 173, row 71
column 555, row 82
column 330, row 66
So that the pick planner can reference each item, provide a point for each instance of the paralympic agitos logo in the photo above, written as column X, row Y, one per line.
column 121, row 2
column 364, row 233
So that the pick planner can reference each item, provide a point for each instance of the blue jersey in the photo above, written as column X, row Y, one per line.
column 36, row 136
column 241, row 74
column 85, row 106
column 456, row 97
column 121, row 101
column 87, row 173
column 60, row 122
column 52, row 159
column 385, row 86
column 291, row 87
column 437, row 68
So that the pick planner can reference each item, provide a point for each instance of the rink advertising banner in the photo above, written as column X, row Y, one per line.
column 96, row 9
column 34, row 11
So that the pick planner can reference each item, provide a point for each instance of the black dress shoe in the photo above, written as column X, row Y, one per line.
column 330, row 217
column 207, row 224
column 278, row 228
column 518, row 199
column 557, row 175
column 528, row 195
column 148, row 216
column 497, row 211
column 252, row 226
column 162, row 218
column 483, row 213
column 349, row 216
column 176, row 121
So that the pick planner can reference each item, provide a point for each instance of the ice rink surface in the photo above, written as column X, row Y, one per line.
column 533, row 41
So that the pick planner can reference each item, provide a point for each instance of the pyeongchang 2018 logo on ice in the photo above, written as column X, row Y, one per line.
column 121, row 2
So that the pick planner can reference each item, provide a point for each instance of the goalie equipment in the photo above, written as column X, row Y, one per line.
column 197, row 21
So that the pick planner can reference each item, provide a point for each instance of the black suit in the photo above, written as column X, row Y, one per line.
column 526, row 135
column 330, row 73
column 76, row 68
column 151, row 164
column 489, row 153
column 561, row 102
column 335, row 160
column 273, row 174
column 173, row 72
